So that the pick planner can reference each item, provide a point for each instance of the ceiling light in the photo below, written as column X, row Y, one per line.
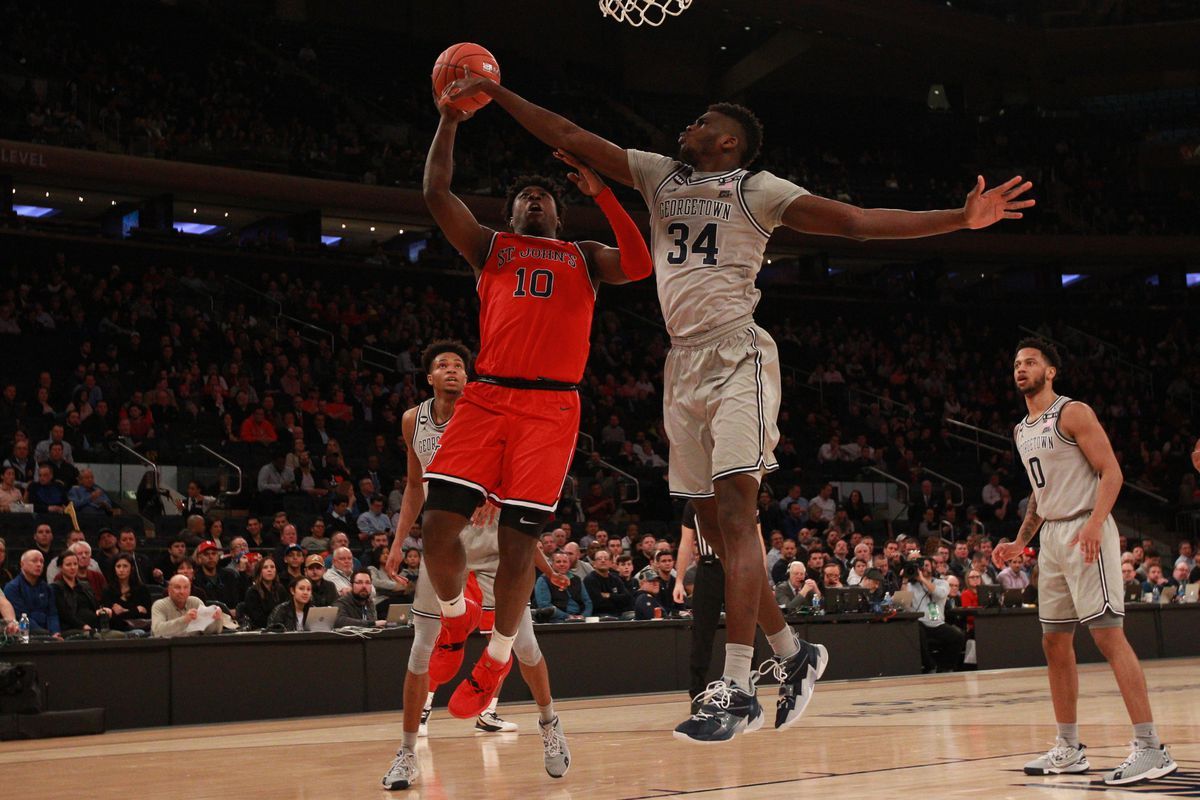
column 343, row 226
column 81, row 198
column 372, row 229
column 193, row 211
column 226, row 215
column 402, row 231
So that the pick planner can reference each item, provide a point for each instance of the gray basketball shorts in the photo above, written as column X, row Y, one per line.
column 1070, row 590
column 483, row 556
column 721, row 399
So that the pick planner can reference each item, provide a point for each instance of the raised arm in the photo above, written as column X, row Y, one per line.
column 630, row 259
column 820, row 215
column 556, row 131
column 451, row 214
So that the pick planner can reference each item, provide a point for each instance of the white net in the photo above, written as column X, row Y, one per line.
column 643, row 12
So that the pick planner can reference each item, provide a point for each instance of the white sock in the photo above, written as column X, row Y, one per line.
column 738, row 658
column 1146, row 735
column 429, row 701
column 1069, row 733
column 455, row 607
column 492, row 705
column 500, row 646
column 784, row 642
column 546, row 713
column 409, row 740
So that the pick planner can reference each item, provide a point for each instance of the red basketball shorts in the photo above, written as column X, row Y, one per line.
column 514, row 445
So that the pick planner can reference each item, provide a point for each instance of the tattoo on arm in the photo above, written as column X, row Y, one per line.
column 1031, row 523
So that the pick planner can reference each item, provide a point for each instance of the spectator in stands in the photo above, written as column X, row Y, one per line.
column 10, row 493
column 356, row 608
column 29, row 593
column 47, row 495
column 980, row 564
column 168, row 563
column 324, row 592
column 264, row 594
column 1155, row 581
column 569, row 603
column 816, row 565
column 795, row 520
column 317, row 540
column 624, row 568
column 924, row 498
column 374, row 520
column 64, row 471
column 576, row 565
column 43, row 541
column 824, row 501
column 597, row 505
column 195, row 501
column 954, row 593
column 292, row 614
column 1133, row 587
column 787, row 554
column 646, row 603
column 960, row 559
column 645, row 552
column 831, row 577
column 857, row 511
column 88, row 568
column 257, row 429
column 609, row 594
column 991, row 494
column 41, row 453
column 171, row 615
column 127, row 543
column 126, row 597
column 341, row 574
column 858, row 569
column 256, row 537
column 1013, row 576
column 274, row 480
column 928, row 598
column 797, row 590
column 24, row 466
column 770, row 516
column 55, row 564
column 219, row 585
column 1186, row 555
column 89, row 498
column 340, row 519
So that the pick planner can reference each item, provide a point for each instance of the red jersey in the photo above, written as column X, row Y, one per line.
column 535, row 318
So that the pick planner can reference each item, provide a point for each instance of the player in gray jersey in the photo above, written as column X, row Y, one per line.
column 445, row 364
column 710, row 219
column 1076, row 479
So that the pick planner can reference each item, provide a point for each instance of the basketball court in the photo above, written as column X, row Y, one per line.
column 961, row 735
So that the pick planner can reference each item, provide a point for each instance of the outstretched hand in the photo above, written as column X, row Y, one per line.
column 467, row 87
column 986, row 208
column 586, row 179
column 449, row 112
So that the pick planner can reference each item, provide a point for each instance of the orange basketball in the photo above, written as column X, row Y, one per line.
column 460, row 60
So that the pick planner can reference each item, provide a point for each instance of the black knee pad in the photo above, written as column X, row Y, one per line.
column 452, row 497
column 529, row 521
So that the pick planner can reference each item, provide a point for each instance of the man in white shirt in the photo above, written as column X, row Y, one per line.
column 171, row 615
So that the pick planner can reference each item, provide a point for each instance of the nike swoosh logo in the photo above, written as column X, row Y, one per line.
column 528, row 521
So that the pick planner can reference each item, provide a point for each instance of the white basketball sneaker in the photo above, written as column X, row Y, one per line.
column 1143, row 764
column 1063, row 759
column 404, row 771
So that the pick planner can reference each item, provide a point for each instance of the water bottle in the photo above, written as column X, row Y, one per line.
column 1157, row 595
column 24, row 626
column 818, row 605
column 887, row 602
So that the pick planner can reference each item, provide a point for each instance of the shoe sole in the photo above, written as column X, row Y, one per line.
column 1154, row 774
column 749, row 727
column 399, row 785
column 1074, row 769
column 806, row 696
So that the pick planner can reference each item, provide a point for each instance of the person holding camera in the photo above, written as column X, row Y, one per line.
column 929, row 600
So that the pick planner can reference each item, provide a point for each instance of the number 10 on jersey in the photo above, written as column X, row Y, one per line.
column 541, row 283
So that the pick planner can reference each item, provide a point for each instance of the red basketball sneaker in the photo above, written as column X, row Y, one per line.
column 448, row 648
column 473, row 695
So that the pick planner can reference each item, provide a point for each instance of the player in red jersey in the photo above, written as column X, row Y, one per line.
column 513, row 433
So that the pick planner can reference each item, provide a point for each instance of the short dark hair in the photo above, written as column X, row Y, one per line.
column 358, row 572
column 751, row 125
column 552, row 187
column 1048, row 350
column 436, row 348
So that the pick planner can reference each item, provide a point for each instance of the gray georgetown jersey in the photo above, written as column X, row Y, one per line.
column 427, row 434
column 1064, row 483
column 708, row 234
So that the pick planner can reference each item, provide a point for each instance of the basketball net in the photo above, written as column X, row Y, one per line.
column 648, row 12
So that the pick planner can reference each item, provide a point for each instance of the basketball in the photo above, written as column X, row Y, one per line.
column 460, row 61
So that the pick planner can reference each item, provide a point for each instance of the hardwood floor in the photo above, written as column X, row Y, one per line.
column 916, row 738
